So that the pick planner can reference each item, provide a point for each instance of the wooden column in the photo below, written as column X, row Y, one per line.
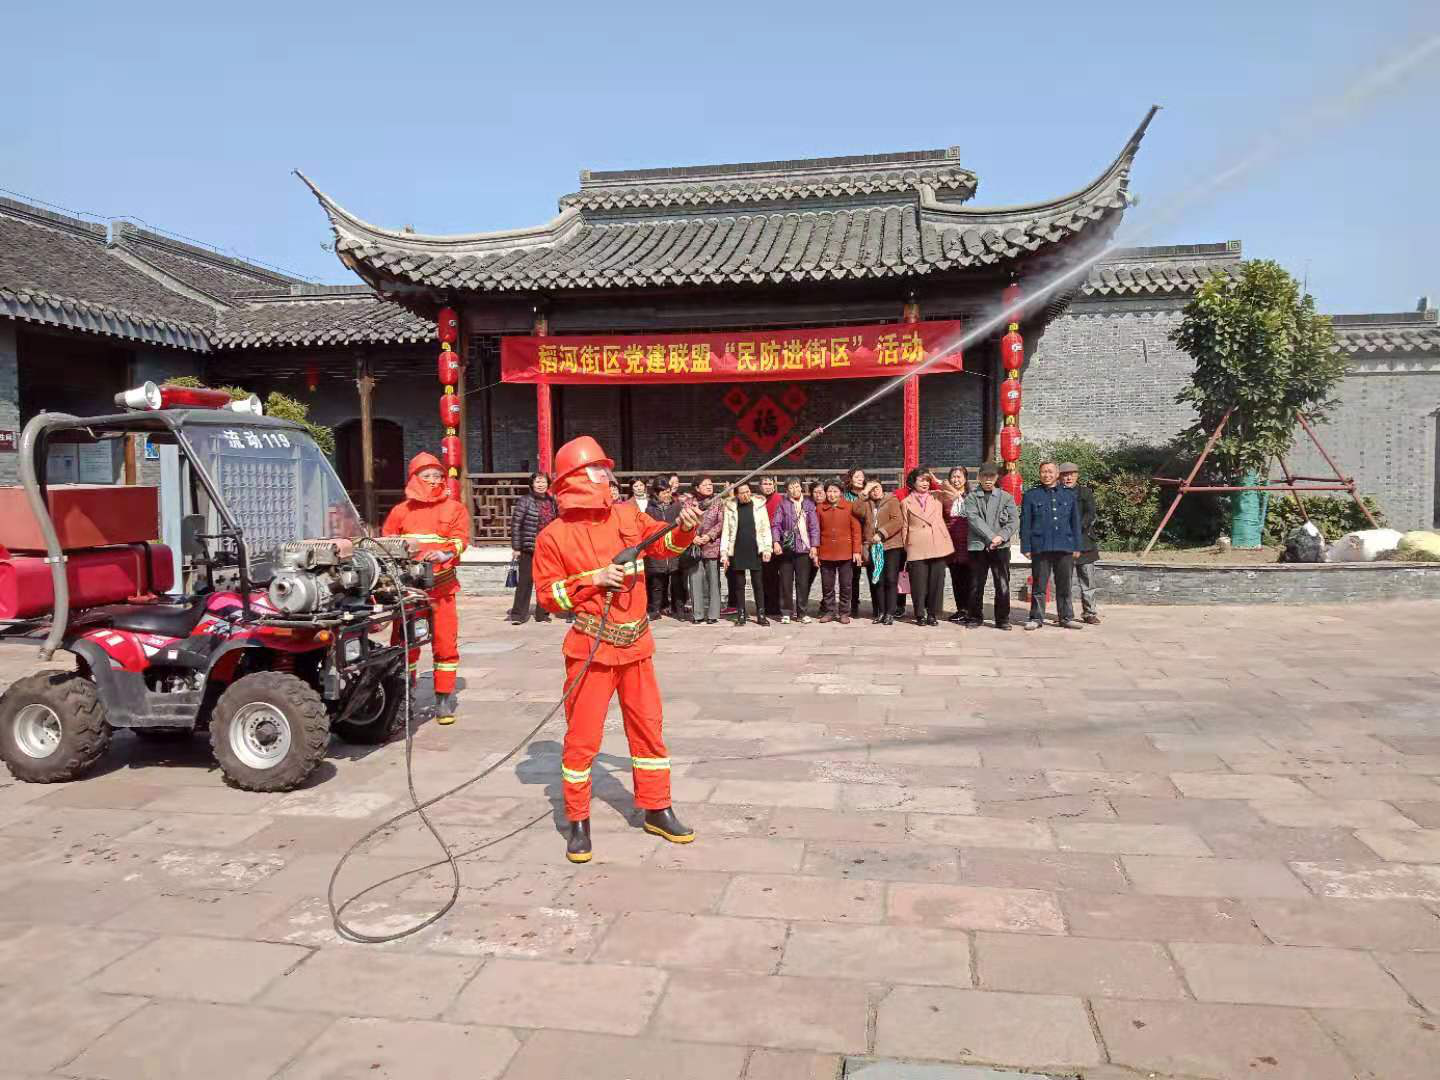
column 911, row 442
column 544, row 436
column 365, row 384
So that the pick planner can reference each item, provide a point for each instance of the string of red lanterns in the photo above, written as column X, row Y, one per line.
column 452, row 450
column 1012, row 356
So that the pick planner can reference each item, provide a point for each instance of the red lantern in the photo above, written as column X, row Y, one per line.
column 452, row 454
column 1012, row 350
column 449, row 410
column 448, row 368
column 312, row 377
column 452, row 488
column 447, row 326
column 1010, row 397
column 1010, row 440
column 1012, row 483
column 1010, row 298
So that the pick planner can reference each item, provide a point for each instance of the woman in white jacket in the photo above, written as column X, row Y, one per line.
column 745, row 546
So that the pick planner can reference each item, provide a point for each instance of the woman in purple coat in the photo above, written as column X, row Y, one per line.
column 795, row 528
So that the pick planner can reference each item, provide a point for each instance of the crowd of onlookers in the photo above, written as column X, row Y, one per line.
column 900, row 545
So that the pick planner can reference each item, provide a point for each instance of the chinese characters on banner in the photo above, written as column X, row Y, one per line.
column 837, row 352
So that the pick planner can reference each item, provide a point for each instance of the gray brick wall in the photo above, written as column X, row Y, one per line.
column 687, row 427
column 1383, row 433
column 1106, row 371
column 9, row 398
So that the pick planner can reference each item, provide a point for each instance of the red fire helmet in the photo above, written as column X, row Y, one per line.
column 578, row 453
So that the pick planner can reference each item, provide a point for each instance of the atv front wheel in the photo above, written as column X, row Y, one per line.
column 268, row 731
column 380, row 717
column 52, row 727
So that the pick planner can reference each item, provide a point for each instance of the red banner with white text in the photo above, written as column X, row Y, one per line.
column 837, row 352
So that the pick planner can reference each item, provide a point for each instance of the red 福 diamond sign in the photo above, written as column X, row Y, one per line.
column 736, row 449
column 736, row 400
column 765, row 423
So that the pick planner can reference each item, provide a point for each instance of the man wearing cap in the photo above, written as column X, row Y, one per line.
column 575, row 575
column 1089, row 546
column 992, row 516
column 1050, row 535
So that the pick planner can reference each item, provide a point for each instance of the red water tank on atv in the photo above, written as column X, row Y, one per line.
column 108, row 575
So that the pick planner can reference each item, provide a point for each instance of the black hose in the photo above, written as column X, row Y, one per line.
column 418, row 808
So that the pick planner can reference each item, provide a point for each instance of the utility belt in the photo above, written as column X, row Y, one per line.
column 619, row 634
column 445, row 577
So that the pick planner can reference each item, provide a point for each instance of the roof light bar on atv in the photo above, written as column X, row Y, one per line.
column 274, row 639
column 149, row 397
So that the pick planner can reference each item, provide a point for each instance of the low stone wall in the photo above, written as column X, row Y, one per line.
column 1277, row 583
column 1169, row 583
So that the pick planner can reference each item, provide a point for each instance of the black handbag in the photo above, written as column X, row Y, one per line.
column 512, row 576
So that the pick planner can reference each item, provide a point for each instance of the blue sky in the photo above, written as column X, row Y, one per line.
column 454, row 118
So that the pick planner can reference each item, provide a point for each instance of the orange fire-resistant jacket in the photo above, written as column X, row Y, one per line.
column 572, row 548
column 442, row 525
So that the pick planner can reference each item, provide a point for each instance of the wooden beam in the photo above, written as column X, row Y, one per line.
column 365, row 385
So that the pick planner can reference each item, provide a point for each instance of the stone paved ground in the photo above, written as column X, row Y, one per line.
column 1192, row 842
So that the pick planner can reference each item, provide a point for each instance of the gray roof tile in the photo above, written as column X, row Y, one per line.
column 820, row 219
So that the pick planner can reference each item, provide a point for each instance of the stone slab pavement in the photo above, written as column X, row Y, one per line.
column 1191, row 842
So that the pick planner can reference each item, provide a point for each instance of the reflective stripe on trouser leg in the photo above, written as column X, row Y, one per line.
column 640, row 707
column 585, row 712
column 412, row 658
column 445, row 644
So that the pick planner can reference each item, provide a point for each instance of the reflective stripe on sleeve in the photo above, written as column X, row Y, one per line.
column 670, row 543
column 562, row 598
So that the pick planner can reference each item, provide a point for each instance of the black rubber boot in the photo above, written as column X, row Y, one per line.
column 577, row 848
column 664, row 823
column 446, row 706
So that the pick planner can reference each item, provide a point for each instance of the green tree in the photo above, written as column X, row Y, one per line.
column 276, row 404
column 1260, row 350
column 1261, row 353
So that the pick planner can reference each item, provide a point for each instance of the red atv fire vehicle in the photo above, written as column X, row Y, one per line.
column 270, row 638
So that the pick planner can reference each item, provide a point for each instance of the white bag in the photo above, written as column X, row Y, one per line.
column 1363, row 546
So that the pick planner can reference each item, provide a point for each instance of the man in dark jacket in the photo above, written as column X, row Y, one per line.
column 1089, row 546
column 1050, row 535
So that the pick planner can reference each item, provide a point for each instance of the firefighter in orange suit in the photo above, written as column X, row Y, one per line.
column 574, row 574
column 439, row 526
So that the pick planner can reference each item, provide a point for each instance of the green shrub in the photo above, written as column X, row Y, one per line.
column 1334, row 516
column 1128, row 503
column 276, row 404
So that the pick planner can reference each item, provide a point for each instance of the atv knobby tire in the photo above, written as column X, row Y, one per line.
column 377, row 720
column 268, row 731
column 39, row 701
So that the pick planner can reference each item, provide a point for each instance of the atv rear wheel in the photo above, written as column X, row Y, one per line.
column 379, row 718
column 52, row 727
column 268, row 731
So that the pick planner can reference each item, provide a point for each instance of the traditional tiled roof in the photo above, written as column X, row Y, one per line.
column 323, row 315
column 1172, row 270
column 56, row 271
column 1400, row 332
column 131, row 283
column 904, row 230
column 219, row 277
column 759, row 182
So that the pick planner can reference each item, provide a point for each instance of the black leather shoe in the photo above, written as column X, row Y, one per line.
column 739, row 620
column 958, row 618
column 665, row 823
column 577, row 848
column 762, row 621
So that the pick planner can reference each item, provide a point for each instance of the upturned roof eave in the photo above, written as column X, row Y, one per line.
column 1115, row 180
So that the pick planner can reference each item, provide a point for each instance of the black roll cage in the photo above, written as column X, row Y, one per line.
column 35, row 450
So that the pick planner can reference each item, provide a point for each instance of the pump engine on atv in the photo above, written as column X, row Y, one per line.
column 269, row 616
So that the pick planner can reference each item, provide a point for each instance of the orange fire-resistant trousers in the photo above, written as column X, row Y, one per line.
column 444, row 641
column 585, row 725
